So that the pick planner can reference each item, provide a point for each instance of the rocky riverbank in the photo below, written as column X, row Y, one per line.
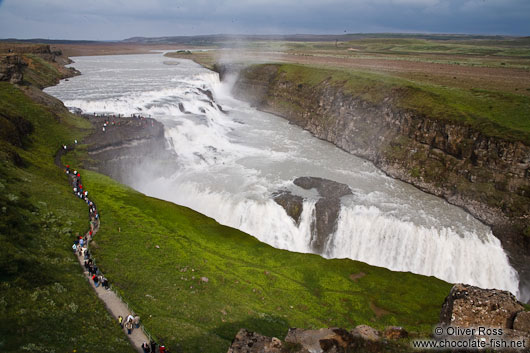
column 488, row 176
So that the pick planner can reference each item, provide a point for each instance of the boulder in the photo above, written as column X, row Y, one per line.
column 251, row 342
column 366, row 332
column 395, row 332
column 320, row 341
column 522, row 322
column 469, row 306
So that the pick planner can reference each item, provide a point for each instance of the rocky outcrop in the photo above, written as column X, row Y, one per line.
column 19, row 60
column 292, row 204
column 326, row 340
column 11, row 67
column 327, row 208
column 469, row 306
column 251, row 342
column 486, row 175
column 522, row 322
column 123, row 146
column 487, row 313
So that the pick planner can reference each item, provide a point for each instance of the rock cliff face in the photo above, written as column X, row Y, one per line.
column 18, row 60
column 11, row 67
column 487, row 176
column 121, row 147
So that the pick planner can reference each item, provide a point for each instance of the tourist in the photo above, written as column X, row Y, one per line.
column 137, row 321
column 162, row 349
column 145, row 347
column 120, row 321
column 153, row 346
column 129, row 327
column 96, row 280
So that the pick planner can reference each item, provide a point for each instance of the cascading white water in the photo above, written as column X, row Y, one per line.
column 231, row 164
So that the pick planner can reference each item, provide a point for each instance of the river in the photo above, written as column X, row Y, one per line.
column 232, row 158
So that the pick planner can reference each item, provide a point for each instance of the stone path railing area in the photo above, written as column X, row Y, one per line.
column 112, row 300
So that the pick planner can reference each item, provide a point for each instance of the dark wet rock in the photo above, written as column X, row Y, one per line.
column 181, row 108
column 207, row 93
column 326, row 188
column 327, row 208
column 220, row 108
column 469, row 306
column 292, row 204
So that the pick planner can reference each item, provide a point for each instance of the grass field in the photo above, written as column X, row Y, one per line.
column 490, row 63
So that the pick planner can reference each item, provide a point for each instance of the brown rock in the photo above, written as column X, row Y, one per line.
column 366, row 332
column 395, row 332
column 319, row 341
column 469, row 306
column 251, row 342
column 292, row 204
column 522, row 322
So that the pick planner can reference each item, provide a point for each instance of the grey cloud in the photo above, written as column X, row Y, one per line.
column 102, row 19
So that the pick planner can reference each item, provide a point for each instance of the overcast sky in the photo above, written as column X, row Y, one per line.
column 120, row 19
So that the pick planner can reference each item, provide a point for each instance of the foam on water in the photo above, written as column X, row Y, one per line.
column 231, row 164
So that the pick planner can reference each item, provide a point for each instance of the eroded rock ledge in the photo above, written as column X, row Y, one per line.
column 327, row 208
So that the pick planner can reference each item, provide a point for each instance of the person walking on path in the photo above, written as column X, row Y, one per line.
column 137, row 321
column 120, row 321
column 146, row 348
column 129, row 327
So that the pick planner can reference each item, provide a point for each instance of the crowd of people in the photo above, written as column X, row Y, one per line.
column 114, row 120
column 80, row 248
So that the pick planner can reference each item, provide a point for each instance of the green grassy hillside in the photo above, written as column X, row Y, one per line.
column 156, row 253
column 46, row 305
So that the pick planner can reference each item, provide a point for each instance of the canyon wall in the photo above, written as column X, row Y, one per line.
column 488, row 176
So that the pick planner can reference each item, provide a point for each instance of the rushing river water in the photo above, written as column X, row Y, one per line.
column 231, row 164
